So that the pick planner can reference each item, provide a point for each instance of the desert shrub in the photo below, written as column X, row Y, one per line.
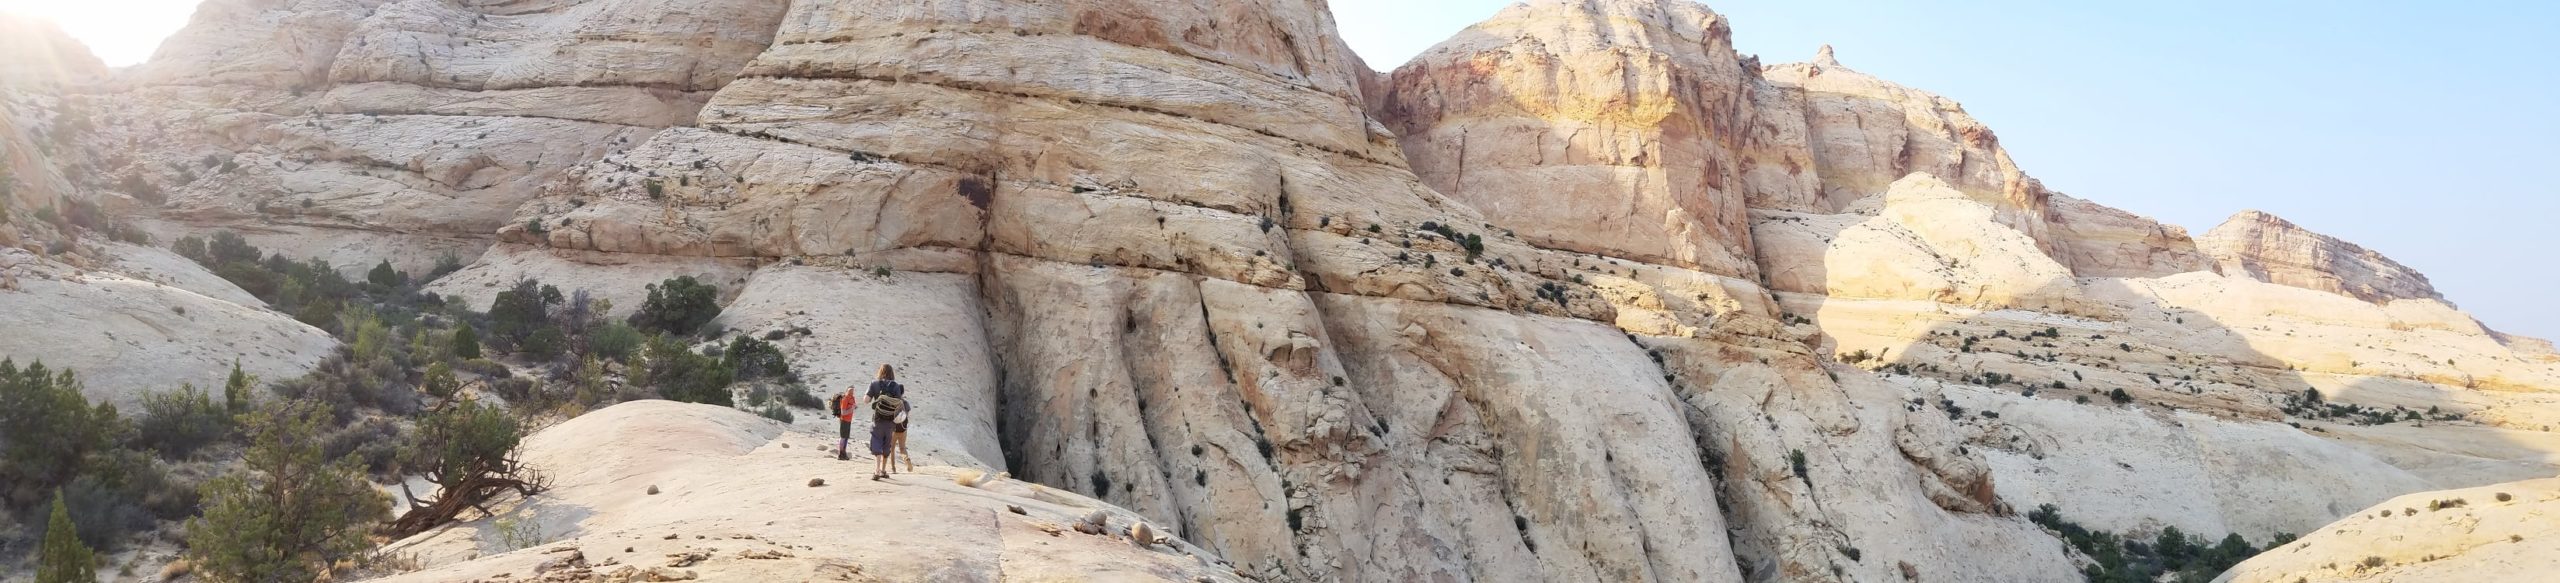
column 235, row 389
column 289, row 511
column 486, row 368
column 678, row 374
column 374, row 444
column 176, row 423
column 516, row 390
column 445, row 265
column 522, row 310
column 615, row 341
column 678, row 306
column 519, row 532
column 776, row 412
column 798, row 395
column 385, row 276
column 106, row 514
column 63, row 558
column 544, row 345
column 1795, row 461
column 466, row 343
column 193, row 248
column 756, row 359
column 2119, row 396
column 231, row 249
column 468, row 450
column 439, row 381
column 47, row 430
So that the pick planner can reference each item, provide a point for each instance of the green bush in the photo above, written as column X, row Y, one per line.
column 289, row 511
column 63, row 559
column 544, row 345
column 439, row 381
column 756, row 359
column 615, row 341
column 383, row 275
column 678, row 306
column 374, row 444
column 522, row 310
column 466, row 343
column 465, row 440
column 679, row 374
column 176, row 423
column 235, row 389
column 2119, row 396
column 47, row 430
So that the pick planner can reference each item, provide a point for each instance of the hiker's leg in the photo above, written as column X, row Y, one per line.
column 904, row 454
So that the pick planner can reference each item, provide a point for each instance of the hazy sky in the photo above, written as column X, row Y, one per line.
column 2424, row 130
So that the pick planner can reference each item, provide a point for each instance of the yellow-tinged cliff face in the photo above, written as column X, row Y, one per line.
column 1579, row 294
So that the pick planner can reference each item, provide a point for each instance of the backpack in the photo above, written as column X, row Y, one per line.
column 888, row 408
column 838, row 407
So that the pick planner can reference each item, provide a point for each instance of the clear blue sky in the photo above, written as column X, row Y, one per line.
column 2428, row 131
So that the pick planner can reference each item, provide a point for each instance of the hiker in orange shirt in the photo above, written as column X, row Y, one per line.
column 844, row 407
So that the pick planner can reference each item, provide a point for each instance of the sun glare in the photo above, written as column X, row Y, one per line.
column 120, row 32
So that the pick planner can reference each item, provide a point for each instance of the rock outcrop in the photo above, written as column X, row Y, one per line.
column 2266, row 248
column 2500, row 532
column 1621, row 128
column 1580, row 294
column 731, row 505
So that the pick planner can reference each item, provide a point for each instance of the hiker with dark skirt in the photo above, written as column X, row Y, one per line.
column 888, row 414
column 843, row 407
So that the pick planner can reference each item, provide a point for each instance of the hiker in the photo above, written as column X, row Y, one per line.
column 898, row 442
column 888, row 415
column 843, row 408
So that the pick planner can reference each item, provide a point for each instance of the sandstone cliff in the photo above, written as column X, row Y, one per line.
column 2261, row 246
column 1580, row 294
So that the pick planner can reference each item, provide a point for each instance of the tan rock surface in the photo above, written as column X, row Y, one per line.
column 2100, row 241
column 1170, row 256
column 2261, row 246
column 734, row 506
column 130, row 335
column 2468, row 534
column 1618, row 128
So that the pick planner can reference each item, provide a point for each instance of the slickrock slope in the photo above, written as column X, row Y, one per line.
column 660, row 491
column 2261, row 246
column 130, row 319
column 1579, row 295
column 2501, row 532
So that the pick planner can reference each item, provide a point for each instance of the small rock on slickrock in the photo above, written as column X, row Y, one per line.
column 687, row 559
column 1016, row 509
column 653, row 489
column 816, row 482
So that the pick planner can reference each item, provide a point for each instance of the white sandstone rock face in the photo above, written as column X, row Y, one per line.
column 736, row 489
column 930, row 326
column 1619, row 128
column 2139, row 470
column 2261, row 246
column 2500, row 532
column 143, row 331
column 1867, row 133
column 2100, row 241
column 1495, row 317
column 1921, row 240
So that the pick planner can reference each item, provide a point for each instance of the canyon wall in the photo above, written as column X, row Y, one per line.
column 1579, row 294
